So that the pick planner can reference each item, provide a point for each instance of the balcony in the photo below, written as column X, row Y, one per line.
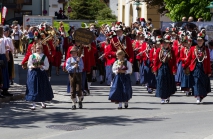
column 10, row 4
column 13, row 4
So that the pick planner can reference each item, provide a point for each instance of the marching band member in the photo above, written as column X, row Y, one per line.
column 108, row 57
column 30, row 49
column 48, row 50
column 165, row 69
column 198, row 62
column 136, row 47
column 57, row 56
column 38, row 86
column 121, row 90
column 74, row 66
column 152, row 83
column 186, row 79
column 122, row 42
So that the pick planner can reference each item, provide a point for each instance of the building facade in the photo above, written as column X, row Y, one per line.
column 18, row 8
column 128, row 13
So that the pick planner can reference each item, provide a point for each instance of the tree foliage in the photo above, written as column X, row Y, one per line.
column 90, row 10
column 180, row 8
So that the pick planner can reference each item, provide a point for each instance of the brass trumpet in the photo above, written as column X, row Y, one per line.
column 46, row 39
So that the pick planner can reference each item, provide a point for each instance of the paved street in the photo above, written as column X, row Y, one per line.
column 146, row 118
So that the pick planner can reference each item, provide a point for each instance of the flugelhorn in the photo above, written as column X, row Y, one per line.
column 49, row 37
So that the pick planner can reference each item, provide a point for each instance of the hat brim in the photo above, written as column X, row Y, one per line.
column 200, row 38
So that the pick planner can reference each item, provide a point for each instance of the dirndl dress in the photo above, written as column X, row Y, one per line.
column 165, row 82
column 121, row 90
column 201, row 82
column 179, row 73
column 38, row 86
column 186, row 81
column 145, row 72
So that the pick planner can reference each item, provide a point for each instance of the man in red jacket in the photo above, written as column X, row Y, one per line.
column 122, row 42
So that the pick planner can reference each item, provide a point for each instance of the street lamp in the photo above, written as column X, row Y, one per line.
column 137, row 3
column 211, row 9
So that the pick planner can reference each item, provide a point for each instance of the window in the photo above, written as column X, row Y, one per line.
column 21, row 13
column 27, row 2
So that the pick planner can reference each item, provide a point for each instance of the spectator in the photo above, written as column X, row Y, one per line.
column 200, row 20
column 16, row 36
column 191, row 19
column 184, row 19
column 211, row 54
column 149, row 24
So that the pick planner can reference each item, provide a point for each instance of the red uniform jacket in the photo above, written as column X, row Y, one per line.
column 28, row 53
column 183, row 55
column 152, row 56
column 145, row 54
column 191, row 60
column 177, row 48
column 89, row 57
column 128, row 49
column 49, row 51
column 109, row 58
column 171, row 62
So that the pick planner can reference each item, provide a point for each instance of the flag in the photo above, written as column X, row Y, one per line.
column 4, row 12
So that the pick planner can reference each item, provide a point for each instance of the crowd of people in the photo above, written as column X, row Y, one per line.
column 160, row 60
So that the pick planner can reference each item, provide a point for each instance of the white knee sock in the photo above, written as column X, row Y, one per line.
column 74, row 101
column 101, row 77
column 49, row 79
column 89, row 84
column 93, row 73
column 137, row 76
column 120, row 104
column 33, row 104
column 42, row 104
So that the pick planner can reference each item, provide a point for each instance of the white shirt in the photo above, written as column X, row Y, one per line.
column 115, row 67
column 10, row 46
column 3, row 44
column 17, row 35
column 38, row 56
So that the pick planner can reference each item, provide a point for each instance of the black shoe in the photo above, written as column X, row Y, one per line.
column 1, row 96
column 126, row 106
column 73, row 107
column 94, row 80
column 119, row 108
column 80, row 105
column 82, row 98
column 101, row 82
column 7, row 94
column 137, row 82
column 11, row 83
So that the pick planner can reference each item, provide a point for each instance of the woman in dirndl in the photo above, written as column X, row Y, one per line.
column 186, row 78
column 165, row 68
column 198, row 62
column 38, row 86
column 121, row 90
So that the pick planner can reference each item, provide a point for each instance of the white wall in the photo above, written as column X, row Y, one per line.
column 35, row 7
column 52, row 9
column 165, row 19
column 113, row 6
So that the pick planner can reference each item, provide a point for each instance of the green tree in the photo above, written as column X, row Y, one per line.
column 195, row 8
column 89, row 9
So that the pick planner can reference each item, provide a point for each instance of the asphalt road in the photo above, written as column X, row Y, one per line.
column 145, row 118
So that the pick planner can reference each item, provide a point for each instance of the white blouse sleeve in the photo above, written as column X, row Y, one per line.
column 129, row 66
column 46, row 64
column 114, row 68
column 30, row 63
